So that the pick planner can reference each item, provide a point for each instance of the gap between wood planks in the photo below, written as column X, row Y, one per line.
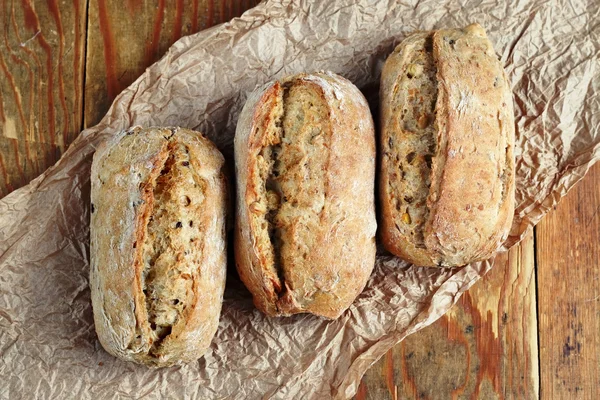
column 84, row 77
column 537, row 305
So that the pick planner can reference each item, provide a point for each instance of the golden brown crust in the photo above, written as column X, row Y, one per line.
column 251, row 263
column 471, row 197
column 157, row 234
column 324, row 226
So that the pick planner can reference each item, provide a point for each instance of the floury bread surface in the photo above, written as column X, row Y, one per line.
column 447, row 178
column 305, row 167
column 158, row 256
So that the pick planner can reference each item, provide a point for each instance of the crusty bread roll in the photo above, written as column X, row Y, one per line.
column 447, row 177
column 158, row 257
column 305, row 167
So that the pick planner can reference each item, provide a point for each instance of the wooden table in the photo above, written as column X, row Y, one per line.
column 528, row 329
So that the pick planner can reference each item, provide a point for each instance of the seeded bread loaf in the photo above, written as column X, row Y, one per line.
column 447, row 166
column 305, row 166
column 158, row 257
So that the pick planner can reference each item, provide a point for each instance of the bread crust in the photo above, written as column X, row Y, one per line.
column 471, row 196
column 340, row 254
column 126, row 287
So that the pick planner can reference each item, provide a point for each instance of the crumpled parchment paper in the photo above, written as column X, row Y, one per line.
column 48, row 346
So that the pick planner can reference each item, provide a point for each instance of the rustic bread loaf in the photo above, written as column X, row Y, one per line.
column 305, row 167
column 158, row 256
column 447, row 166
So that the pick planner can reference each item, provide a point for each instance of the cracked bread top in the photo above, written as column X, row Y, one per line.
column 447, row 166
column 158, row 258
column 305, row 165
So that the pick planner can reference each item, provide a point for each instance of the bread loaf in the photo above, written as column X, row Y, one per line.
column 447, row 166
column 158, row 257
column 305, row 166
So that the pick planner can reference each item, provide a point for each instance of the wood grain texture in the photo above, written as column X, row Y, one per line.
column 484, row 348
column 125, row 37
column 568, row 257
column 41, row 79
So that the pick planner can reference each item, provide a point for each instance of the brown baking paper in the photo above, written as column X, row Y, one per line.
column 48, row 346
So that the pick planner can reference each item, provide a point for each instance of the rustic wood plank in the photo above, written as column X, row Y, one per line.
column 484, row 348
column 41, row 79
column 568, row 258
column 126, row 37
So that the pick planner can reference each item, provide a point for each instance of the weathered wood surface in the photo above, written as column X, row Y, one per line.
column 46, row 45
column 62, row 64
column 41, row 85
column 568, row 256
column 484, row 348
column 125, row 37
